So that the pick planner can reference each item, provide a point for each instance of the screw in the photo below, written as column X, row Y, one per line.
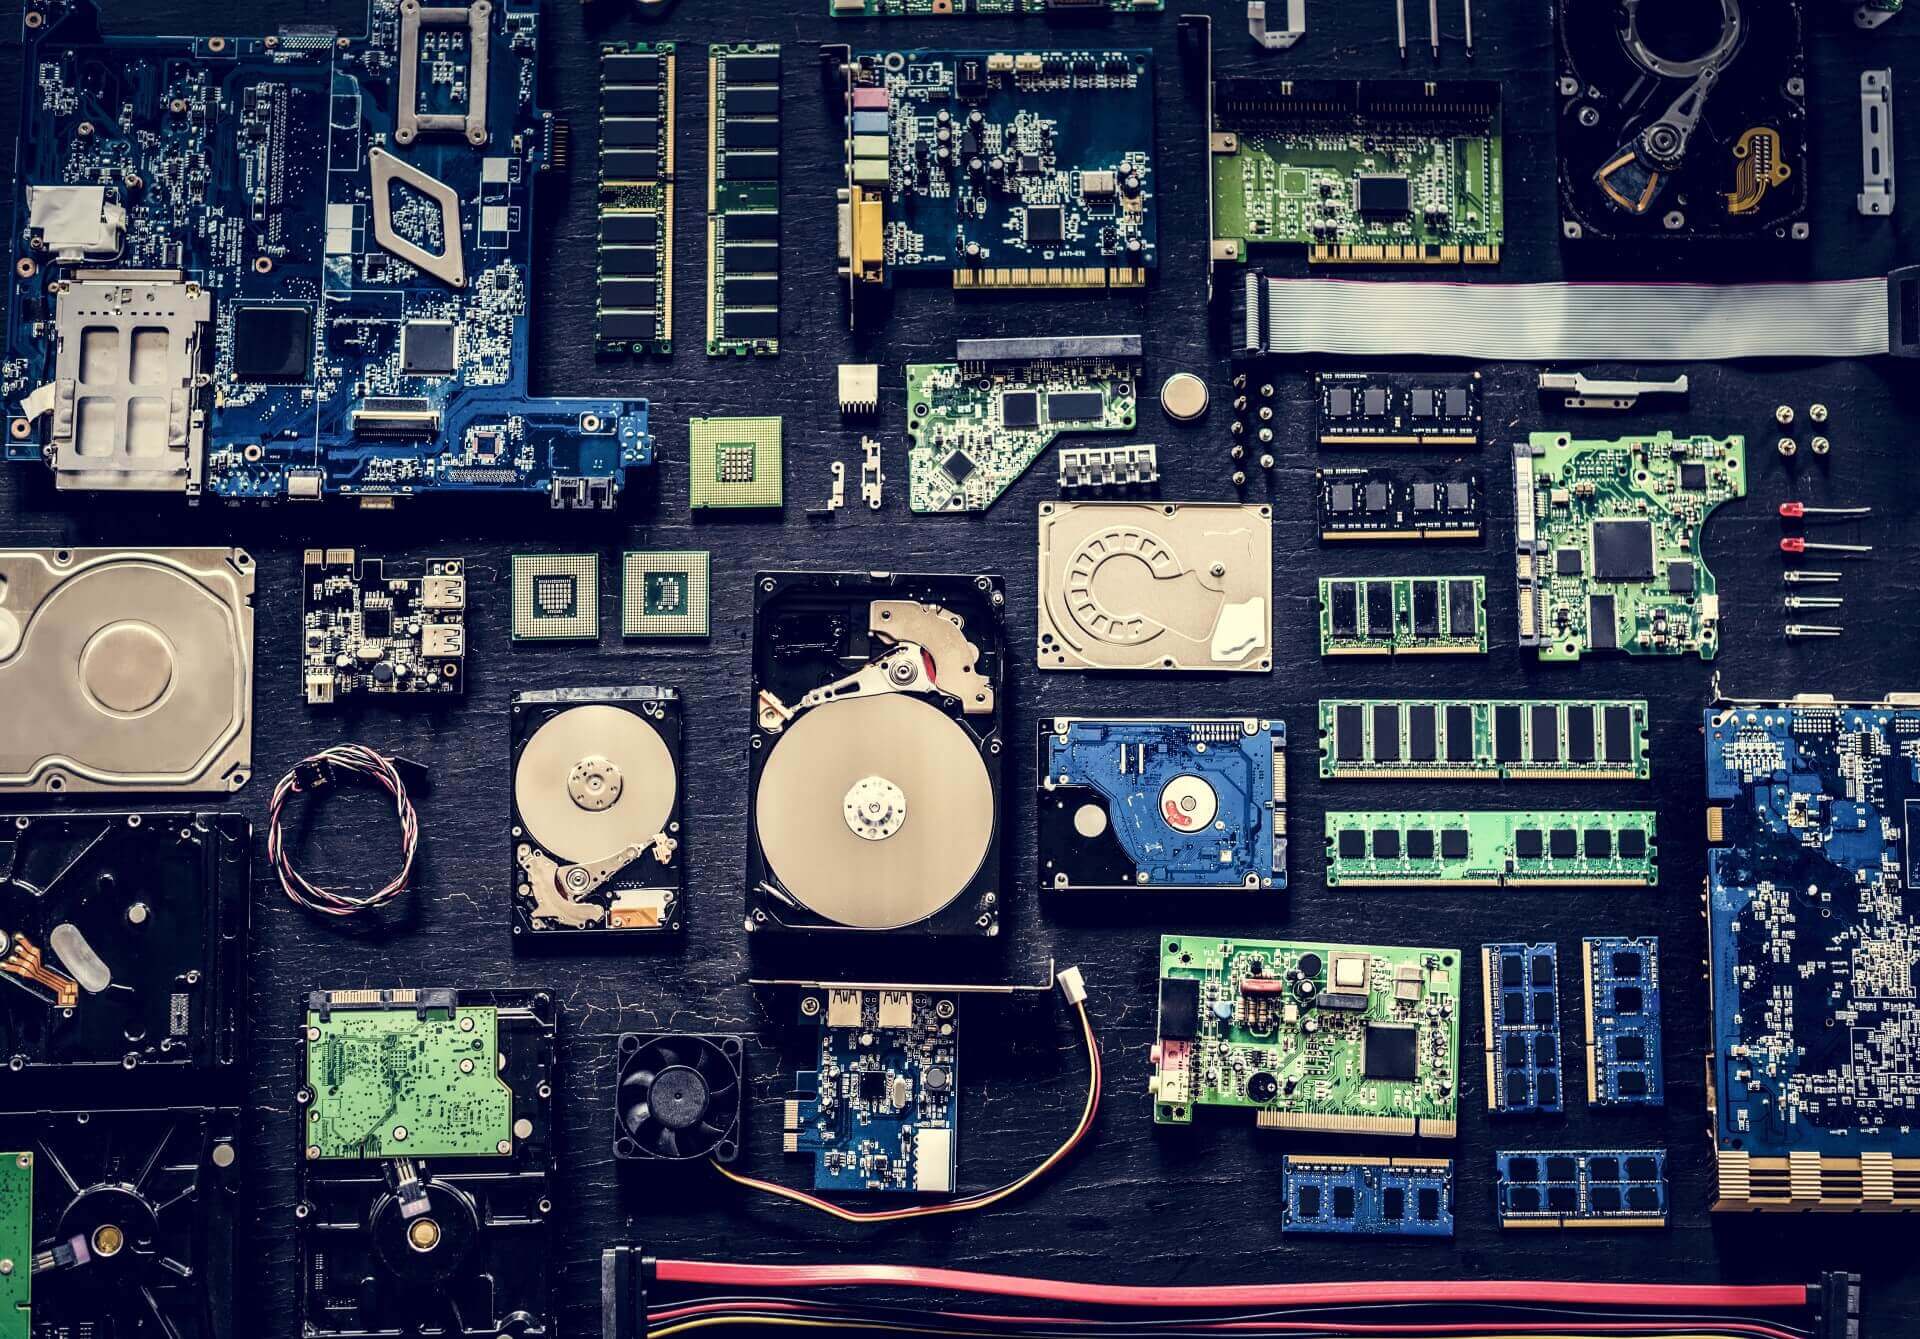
column 1783, row 414
column 1786, row 446
column 1817, row 413
column 1820, row 446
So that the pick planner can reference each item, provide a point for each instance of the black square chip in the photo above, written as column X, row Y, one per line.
column 1453, row 844
column 1020, row 409
column 1075, row 406
column 1045, row 223
column 1179, row 1008
column 1680, row 577
column 1623, row 550
column 1381, row 193
column 1567, row 562
column 426, row 348
column 1391, row 1051
column 959, row 466
column 1693, row 475
column 1527, row 844
column 272, row 343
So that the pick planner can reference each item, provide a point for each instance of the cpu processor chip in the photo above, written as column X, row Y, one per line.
column 556, row 597
column 734, row 462
column 665, row 594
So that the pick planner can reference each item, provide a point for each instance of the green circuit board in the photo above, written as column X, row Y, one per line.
column 1607, row 544
column 1337, row 1038
column 1492, row 848
column 633, row 309
column 1525, row 739
column 16, row 1245
column 974, row 426
column 395, row 1080
column 1403, row 616
column 1374, row 171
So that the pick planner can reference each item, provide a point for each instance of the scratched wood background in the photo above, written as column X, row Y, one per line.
column 1192, row 1205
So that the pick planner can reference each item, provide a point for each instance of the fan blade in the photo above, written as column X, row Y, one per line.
column 641, row 1079
column 665, row 1144
column 661, row 1056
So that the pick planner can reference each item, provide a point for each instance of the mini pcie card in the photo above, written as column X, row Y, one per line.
column 1623, row 1022
column 1525, row 1073
column 1498, row 740
column 1495, row 849
column 1581, row 1188
column 743, row 198
column 634, row 300
column 1368, row 1197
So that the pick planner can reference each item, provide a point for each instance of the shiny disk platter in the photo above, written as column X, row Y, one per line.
column 876, row 754
column 597, row 829
column 126, row 670
column 1156, row 586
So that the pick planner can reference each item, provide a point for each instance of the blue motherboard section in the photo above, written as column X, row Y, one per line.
column 1623, row 1022
column 292, row 266
column 1525, row 1076
column 1162, row 805
column 1814, row 953
column 882, row 1110
column 1368, row 1197
column 1607, row 1187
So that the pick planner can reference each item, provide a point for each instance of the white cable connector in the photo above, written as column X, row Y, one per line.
column 1072, row 985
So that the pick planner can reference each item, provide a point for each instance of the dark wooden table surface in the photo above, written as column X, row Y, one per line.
column 1189, row 1205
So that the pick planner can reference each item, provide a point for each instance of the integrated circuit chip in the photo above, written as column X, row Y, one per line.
column 273, row 343
column 735, row 463
column 665, row 594
column 556, row 597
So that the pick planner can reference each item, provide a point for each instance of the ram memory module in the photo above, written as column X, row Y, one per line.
column 1514, row 739
column 16, row 1244
column 1381, row 503
column 1368, row 1197
column 1335, row 1038
column 633, row 308
column 1582, row 1188
column 1405, row 616
column 1494, row 849
column 743, row 198
column 1521, row 1006
column 1623, row 1022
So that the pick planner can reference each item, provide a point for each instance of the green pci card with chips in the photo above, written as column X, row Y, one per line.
column 976, row 424
column 1495, row 849
column 1373, row 171
column 1607, row 543
column 1403, row 616
column 1336, row 1038
column 1508, row 740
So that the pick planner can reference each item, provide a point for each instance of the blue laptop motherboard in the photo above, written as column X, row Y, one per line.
column 1815, row 954
column 292, row 266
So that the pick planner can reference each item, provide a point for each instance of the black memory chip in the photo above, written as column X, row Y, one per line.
column 1422, row 734
column 1179, row 1008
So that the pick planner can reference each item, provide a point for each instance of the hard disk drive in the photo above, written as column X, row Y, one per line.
column 1682, row 122
column 424, row 1194
column 122, row 941
column 120, row 1223
column 126, row 670
column 597, row 837
column 875, row 753
column 1156, row 586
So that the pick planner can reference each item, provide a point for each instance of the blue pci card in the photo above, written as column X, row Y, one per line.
column 1162, row 805
column 882, row 1110
column 1608, row 1187
column 1525, row 1076
column 293, row 266
column 1813, row 807
column 1623, row 1022
column 1368, row 1197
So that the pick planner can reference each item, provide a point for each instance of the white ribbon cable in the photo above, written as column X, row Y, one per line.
column 1570, row 322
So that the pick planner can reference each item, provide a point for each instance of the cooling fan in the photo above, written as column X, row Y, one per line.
column 679, row 1097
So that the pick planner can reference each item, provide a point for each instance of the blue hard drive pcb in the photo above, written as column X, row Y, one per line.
column 1162, row 805
column 292, row 266
column 1814, row 953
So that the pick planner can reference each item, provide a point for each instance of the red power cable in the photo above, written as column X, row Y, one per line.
column 1470, row 1292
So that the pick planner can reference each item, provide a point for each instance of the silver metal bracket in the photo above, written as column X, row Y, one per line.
column 1276, row 39
column 448, row 265
column 409, row 122
column 1580, row 391
column 1876, row 143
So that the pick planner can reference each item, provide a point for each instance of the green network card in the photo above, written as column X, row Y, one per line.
column 1374, row 171
column 394, row 1079
column 1404, row 616
column 1509, row 740
column 743, row 198
column 1598, row 848
column 734, row 462
column 556, row 597
column 665, row 594
column 1337, row 1038
column 1607, row 550
column 975, row 425
column 633, row 311
column 16, row 1245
